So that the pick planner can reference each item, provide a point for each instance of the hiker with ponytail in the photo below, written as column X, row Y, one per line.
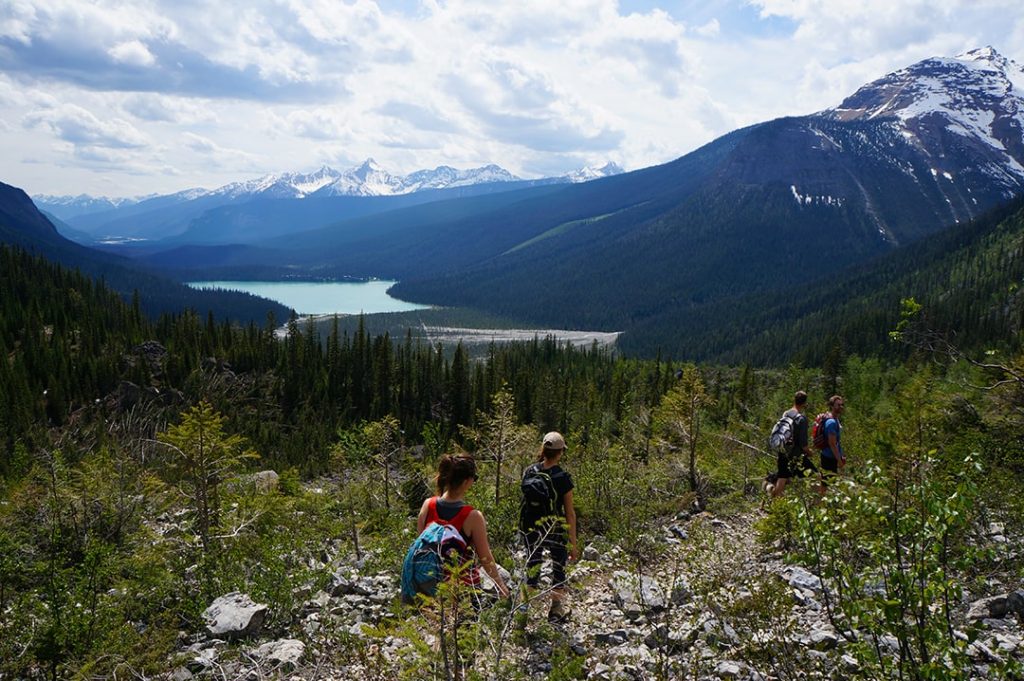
column 456, row 473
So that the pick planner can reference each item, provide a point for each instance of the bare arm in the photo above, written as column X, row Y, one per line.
column 570, row 519
column 833, row 444
column 421, row 519
column 476, row 528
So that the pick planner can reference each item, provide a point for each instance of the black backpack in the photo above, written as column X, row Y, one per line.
column 539, row 497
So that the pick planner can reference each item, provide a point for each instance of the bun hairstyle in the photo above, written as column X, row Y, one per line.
column 453, row 470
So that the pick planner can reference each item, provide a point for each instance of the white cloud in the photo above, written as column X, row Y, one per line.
column 16, row 21
column 206, row 92
column 132, row 53
column 709, row 30
column 168, row 109
column 212, row 152
column 80, row 127
column 318, row 124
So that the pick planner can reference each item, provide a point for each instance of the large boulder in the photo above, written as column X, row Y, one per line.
column 1015, row 603
column 993, row 607
column 234, row 616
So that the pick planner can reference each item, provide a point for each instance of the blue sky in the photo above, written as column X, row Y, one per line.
column 135, row 97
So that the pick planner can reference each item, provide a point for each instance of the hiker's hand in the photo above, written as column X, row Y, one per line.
column 842, row 462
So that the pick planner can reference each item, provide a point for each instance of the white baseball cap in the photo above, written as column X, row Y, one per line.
column 554, row 440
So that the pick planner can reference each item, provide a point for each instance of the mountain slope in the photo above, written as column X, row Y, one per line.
column 968, row 278
column 22, row 225
column 792, row 199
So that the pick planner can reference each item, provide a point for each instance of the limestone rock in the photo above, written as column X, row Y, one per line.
column 822, row 639
column 727, row 669
column 634, row 594
column 287, row 651
column 802, row 579
column 1015, row 602
column 234, row 615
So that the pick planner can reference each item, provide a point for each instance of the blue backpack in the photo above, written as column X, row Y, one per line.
column 426, row 563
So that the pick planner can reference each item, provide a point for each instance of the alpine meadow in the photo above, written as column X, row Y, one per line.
column 711, row 364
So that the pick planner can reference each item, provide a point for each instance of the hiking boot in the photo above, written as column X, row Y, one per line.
column 558, row 612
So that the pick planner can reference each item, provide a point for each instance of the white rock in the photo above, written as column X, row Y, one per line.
column 802, row 579
column 727, row 669
column 234, row 615
column 285, row 651
column 635, row 595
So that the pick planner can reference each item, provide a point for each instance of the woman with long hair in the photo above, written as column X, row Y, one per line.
column 456, row 473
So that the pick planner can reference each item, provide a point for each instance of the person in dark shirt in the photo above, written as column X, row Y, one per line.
column 796, row 462
column 549, row 536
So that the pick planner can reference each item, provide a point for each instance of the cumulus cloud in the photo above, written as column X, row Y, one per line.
column 709, row 30
column 132, row 53
column 80, row 127
column 318, row 124
column 160, row 108
column 418, row 116
column 212, row 152
column 197, row 49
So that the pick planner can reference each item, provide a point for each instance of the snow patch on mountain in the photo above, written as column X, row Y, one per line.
column 978, row 95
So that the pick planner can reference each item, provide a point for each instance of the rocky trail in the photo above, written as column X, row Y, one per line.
column 713, row 605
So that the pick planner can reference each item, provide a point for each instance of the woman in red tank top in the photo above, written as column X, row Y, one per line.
column 455, row 475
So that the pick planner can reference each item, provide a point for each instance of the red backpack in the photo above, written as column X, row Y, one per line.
column 820, row 437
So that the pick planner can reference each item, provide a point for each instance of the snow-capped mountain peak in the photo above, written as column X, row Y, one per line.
column 594, row 172
column 978, row 95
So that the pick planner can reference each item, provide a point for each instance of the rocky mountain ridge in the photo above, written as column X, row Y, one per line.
column 367, row 179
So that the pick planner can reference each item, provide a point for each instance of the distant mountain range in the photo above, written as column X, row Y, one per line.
column 118, row 219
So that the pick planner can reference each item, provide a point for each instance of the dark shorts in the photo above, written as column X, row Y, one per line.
column 555, row 544
column 798, row 466
column 829, row 468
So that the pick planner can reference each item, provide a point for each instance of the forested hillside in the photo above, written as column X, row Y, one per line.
column 968, row 278
column 23, row 226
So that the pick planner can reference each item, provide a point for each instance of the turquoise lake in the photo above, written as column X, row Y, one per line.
column 321, row 297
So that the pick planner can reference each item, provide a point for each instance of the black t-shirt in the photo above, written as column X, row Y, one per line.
column 799, row 431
